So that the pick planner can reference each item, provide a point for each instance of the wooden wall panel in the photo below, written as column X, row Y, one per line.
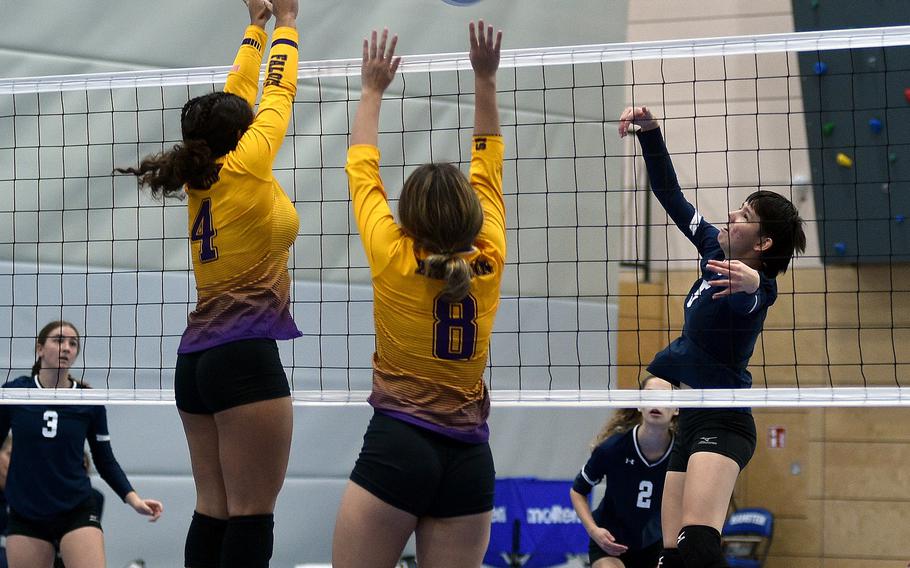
column 867, row 529
column 867, row 470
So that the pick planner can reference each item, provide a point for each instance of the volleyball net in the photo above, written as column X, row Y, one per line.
column 596, row 275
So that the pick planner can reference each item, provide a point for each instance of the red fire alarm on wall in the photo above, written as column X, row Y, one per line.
column 777, row 437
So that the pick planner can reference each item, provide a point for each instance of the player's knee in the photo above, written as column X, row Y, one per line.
column 699, row 546
column 204, row 541
column 670, row 558
column 248, row 542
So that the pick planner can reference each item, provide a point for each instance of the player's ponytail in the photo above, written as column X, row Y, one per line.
column 190, row 163
column 454, row 270
column 441, row 212
column 212, row 125
column 623, row 420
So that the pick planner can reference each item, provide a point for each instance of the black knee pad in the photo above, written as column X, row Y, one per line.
column 204, row 541
column 700, row 547
column 671, row 558
column 248, row 542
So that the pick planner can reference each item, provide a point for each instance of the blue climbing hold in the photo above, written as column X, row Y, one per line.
column 899, row 218
column 875, row 125
column 840, row 248
column 821, row 68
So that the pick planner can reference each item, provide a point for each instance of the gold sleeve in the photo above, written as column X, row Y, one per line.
column 486, row 178
column 378, row 229
column 243, row 78
column 260, row 143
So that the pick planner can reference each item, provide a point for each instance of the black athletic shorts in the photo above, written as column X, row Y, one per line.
column 86, row 514
column 422, row 472
column 644, row 558
column 229, row 375
column 726, row 432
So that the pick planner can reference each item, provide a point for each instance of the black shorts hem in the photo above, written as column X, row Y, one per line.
column 258, row 396
column 384, row 496
column 735, row 456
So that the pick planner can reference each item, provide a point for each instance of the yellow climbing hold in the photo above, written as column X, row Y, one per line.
column 844, row 161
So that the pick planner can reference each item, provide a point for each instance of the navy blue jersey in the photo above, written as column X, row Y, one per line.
column 630, row 509
column 718, row 337
column 46, row 473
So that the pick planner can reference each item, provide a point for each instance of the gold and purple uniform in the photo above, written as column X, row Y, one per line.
column 430, row 353
column 242, row 227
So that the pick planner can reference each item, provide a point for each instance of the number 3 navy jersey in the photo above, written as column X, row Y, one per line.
column 46, row 472
column 431, row 354
column 718, row 336
column 630, row 509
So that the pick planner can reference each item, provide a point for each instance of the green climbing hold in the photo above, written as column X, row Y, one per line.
column 827, row 128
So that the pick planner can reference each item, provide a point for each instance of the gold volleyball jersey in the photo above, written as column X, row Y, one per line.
column 430, row 354
column 242, row 227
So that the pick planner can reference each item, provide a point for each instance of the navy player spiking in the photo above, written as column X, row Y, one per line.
column 48, row 490
column 724, row 314
column 631, row 454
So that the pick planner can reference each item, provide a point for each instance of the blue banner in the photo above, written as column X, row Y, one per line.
column 536, row 517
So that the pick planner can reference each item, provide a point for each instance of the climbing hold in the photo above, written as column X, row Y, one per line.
column 875, row 125
column 827, row 128
column 892, row 157
column 821, row 68
column 844, row 161
column 840, row 248
column 899, row 218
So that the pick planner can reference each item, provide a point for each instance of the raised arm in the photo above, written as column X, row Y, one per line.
column 376, row 73
column 260, row 143
column 485, row 50
column 375, row 222
column 663, row 180
column 488, row 149
column 243, row 79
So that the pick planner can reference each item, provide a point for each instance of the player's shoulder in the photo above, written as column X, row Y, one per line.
column 23, row 382
column 616, row 444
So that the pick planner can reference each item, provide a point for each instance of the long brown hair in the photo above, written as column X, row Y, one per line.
column 441, row 212
column 42, row 339
column 211, row 125
column 624, row 420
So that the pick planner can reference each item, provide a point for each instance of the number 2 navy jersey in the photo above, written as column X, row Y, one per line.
column 630, row 508
column 431, row 354
column 46, row 472
column 718, row 336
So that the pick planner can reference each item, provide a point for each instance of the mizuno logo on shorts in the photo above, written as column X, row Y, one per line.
column 707, row 440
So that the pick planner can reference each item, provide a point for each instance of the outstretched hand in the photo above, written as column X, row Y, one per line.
column 607, row 542
column 148, row 507
column 739, row 277
column 260, row 11
column 379, row 63
column 285, row 13
column 485, row 50
column 639, row 116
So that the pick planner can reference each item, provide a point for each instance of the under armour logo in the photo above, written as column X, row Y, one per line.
column 630, row 461
column 680, row 538
column 93, row 518
column 708, row 440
